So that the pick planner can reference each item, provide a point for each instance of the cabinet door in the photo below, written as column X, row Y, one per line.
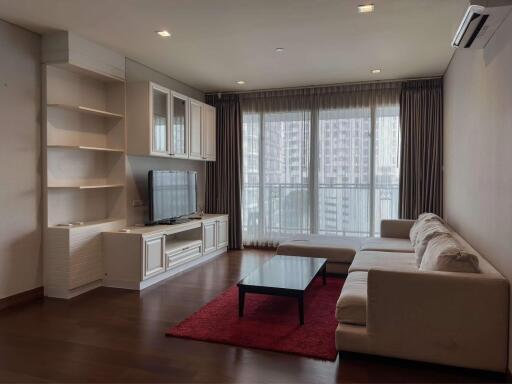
column 154, row 256
column 195, row 141
column 179, row 125
column 210, row 134
column 222, row 232
column 160, row 116
column 209, row 237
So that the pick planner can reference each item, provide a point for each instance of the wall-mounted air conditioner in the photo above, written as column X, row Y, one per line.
column 481, row 20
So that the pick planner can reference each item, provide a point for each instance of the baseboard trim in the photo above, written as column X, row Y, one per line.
column 21, row 298
column 63, row 293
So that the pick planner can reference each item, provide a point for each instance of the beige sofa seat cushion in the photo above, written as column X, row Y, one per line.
column 334, row 248
column 445, row 254
column 351, row 305
column 366, row 260
column 387, row 244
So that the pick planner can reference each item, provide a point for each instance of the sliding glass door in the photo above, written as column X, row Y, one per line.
column 328, row 171
column 276, row 176
column 344, row 171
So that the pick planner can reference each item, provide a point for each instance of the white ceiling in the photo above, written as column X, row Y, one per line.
column 214, row 43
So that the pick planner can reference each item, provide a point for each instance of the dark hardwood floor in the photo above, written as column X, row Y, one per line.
column 112, row 335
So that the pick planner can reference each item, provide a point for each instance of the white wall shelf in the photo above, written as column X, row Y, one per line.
column 85, row 224
column 85, row 148
column 83, row 109
column 86, row 186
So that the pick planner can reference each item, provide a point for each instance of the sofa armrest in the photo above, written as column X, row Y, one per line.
column 441, row 317
column 396, row 228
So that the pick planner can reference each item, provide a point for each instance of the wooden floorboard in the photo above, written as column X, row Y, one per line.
column 113, row 335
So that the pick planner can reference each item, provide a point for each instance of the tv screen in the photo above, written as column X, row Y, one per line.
column 172, row 194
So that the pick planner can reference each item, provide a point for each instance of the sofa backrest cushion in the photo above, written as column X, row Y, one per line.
column 423, row 218
column 444, row 253
column 427, row 230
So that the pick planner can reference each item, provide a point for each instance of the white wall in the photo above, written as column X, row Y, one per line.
column 20, row 186
column 138, row 166
column 478, row 148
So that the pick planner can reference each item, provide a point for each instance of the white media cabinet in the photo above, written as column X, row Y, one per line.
column 137, row 257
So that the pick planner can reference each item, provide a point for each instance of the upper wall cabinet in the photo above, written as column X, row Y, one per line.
column 196, row 123
column 72, row 52
column 179, row 125
column 209, row 133
column 160, row 119
column 165, row 123
column 149, row 119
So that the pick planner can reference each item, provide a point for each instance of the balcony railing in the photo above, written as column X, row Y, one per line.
column 343, row 209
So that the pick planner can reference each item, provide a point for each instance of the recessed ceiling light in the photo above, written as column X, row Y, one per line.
column 164, row 33
column 241, row 82
column 279, row 49
column 366, row 8
column 375, row 71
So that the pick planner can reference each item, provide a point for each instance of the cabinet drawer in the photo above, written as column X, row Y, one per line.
column 178, row 258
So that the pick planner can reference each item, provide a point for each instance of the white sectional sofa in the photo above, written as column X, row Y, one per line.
column 389, row 306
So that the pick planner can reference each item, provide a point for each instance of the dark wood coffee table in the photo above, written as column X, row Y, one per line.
column 282, row 276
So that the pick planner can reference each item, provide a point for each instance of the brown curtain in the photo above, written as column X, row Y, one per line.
column 421, row 120
column 224, row 176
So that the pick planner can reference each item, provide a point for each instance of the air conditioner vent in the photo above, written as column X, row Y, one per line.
column 479, row 25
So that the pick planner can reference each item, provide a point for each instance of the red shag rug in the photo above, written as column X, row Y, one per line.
column 270, row 322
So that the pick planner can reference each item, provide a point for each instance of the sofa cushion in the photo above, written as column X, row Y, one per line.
column 423, row 218
column 444, row 253
column 366, row 260
column 387, row 244
column 333, row 248
column 427, row 230
column 351, row 305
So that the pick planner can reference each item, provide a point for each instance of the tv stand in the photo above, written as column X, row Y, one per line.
column 137, row 257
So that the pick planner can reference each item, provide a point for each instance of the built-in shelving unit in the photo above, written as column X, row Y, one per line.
column 84, row 145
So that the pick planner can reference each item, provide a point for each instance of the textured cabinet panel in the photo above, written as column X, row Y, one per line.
column 154, row 256
column 222, row 232
column 209, row 237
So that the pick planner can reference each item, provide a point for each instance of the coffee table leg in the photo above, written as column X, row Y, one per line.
column 324, row 273
column 241, row 300
column 301, row 309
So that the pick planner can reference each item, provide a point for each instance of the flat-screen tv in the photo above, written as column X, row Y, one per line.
column 172, row 194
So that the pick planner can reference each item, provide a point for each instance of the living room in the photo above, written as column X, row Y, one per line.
column 255, row 191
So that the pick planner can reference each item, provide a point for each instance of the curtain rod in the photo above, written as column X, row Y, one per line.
column 322, row 86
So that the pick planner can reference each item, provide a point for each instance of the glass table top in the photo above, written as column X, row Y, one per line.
column 285, row 272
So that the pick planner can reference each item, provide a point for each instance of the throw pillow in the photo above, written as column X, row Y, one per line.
column 444, row 253
column 427, row 230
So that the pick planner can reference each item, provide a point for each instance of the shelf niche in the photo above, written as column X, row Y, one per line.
column 85, row 145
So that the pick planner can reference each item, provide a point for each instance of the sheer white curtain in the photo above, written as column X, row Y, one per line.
column 319, row 160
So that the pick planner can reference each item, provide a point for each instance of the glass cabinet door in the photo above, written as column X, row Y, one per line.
column 160, row 119
column 179, row 125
